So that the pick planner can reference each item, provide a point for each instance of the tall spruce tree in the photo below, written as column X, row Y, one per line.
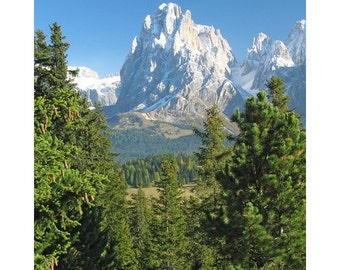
column 141, row 216
column 41, row 64
column 211, row 160
column 60, row 189
column 210, row 156
column 50, row 63
column 264, row 186
column 170, row 244
column 277, row 93
column 119, row 253
column 74, row 170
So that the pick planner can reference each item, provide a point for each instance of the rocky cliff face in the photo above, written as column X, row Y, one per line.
column 268, row 57
column 177, row 68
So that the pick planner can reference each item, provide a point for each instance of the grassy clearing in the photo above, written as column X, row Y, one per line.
column 153, row 192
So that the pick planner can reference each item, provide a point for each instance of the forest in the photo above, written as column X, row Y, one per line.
column 247, row 211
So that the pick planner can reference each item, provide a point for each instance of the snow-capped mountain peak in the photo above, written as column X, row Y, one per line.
column 177, row 68
column 85, row 72
column 266, row 55
column 103, row 90
column 258, row 42
column 169, row 15
column 176, row 64
column 296, row 42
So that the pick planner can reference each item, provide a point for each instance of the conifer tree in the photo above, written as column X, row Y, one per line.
column 52, row 222
column 59, row 189
column 264, row 186
column 169, row 228
column 211, row 160
column 141, row 216
column 119, row 253
column 41, row 64
column 277, row 93
column 213, row 146
column 59, row 71
column 50, row 63
column 75, row 173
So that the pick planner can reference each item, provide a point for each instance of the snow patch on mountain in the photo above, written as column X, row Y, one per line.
column 296, row 42
column 267, row 57
column 177, row 68
column 174, row 60
column 97, row 90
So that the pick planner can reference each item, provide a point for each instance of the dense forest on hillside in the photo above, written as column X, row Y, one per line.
column 247, row 211
column 141, row 143
column 145, row 172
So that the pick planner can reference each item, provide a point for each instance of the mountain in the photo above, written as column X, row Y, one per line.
column 268, row 57
column 177, row 68
column 104, row 91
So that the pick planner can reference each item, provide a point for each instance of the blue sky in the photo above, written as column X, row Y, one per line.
column 101, row 32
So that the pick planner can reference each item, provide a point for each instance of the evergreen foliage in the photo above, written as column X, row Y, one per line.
column 141, row 216
column 138, row 143
column 145, row 171
column 170, row 243
column 277, row 93
column 265, row 186
column 211, row 160
column 74, row 171
column 211, row 155
column 119, row 253
column 50, row 63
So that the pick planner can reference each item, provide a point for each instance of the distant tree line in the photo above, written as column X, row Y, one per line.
column 145, row 172
column 247, row 211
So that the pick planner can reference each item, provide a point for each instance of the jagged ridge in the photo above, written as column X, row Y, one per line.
column 176, row 68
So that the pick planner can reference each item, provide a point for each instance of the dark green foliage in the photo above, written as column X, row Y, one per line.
column 201, row 252
column 86, row 252
column 41, row 64
column 54, row 189
column 77, row 187
column 211, row 160
column 141, row 216
column 50, row 63
column 136, row 143
column 60, row 190
column 211, row 155
column 265, row 186
column 277, row 93
column 116, row 221
column 169, row 228
column 145, row 171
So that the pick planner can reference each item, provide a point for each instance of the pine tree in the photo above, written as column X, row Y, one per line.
column 169, row 227
column 277, row 93
column 41, row 64
column 211, row 159
column 211, row 152
column 75, row 173
column 50, row 63
column 141, row 216
column 264, row 186
column 59, row 189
